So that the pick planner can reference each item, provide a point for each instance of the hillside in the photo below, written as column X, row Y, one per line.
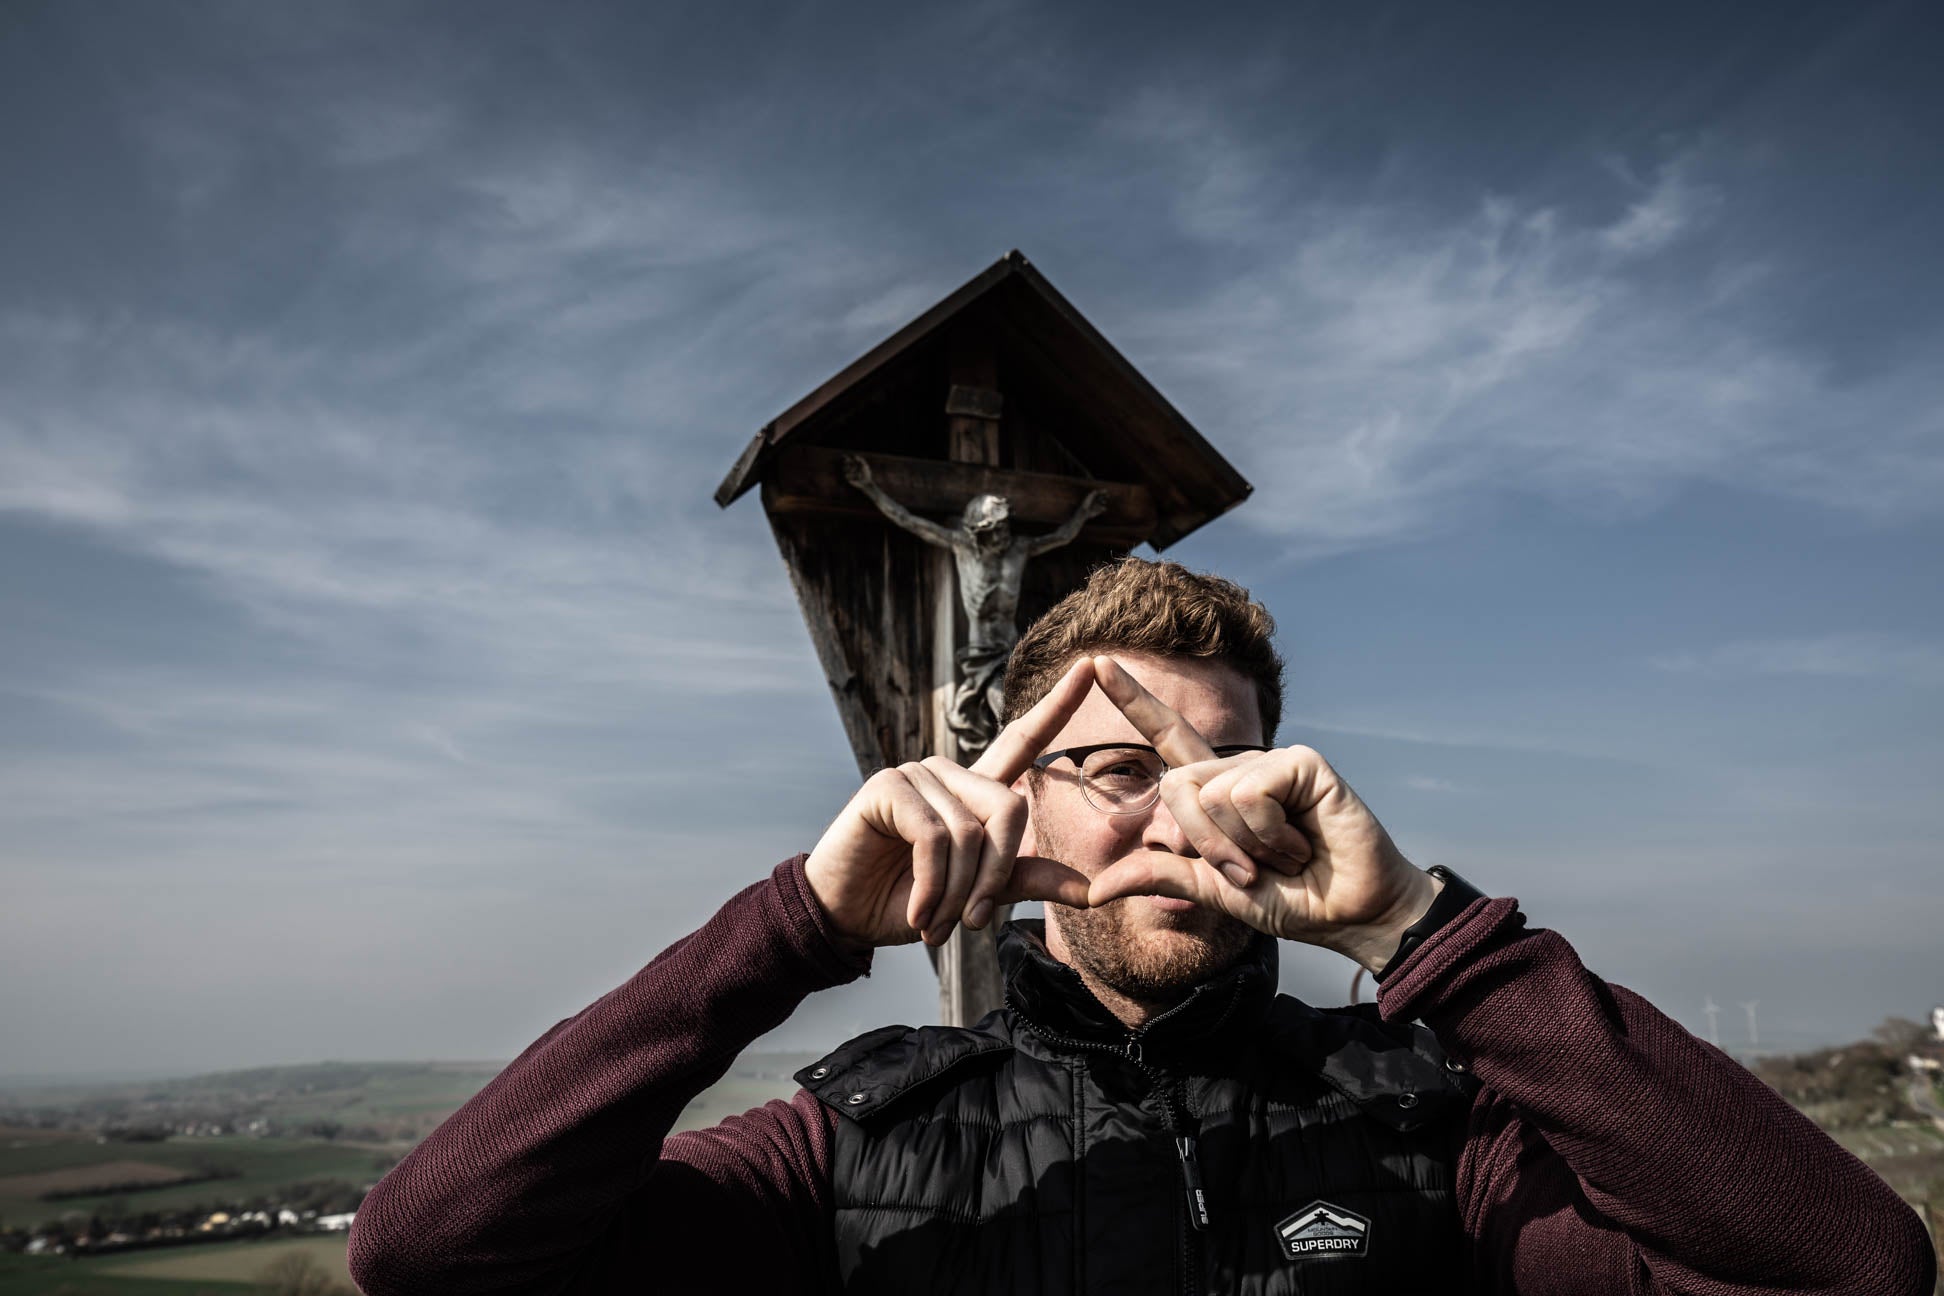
column 320, row 1131
column 314, row 1137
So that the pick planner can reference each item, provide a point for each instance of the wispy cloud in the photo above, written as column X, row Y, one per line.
column 1843, row 656
column 1301, row 728
column 1391, row 373
column 1668, row 207
column 400, row 394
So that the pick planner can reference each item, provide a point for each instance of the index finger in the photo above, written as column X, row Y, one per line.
column 1019, row 742
column 1179, row 742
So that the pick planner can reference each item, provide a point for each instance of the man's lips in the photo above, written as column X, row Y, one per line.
column 1169, row 904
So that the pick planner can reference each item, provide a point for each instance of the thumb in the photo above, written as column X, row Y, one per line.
column 1149, row 873
column 1037, row 878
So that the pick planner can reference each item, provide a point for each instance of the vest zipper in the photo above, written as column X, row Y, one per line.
column 1195, row 1198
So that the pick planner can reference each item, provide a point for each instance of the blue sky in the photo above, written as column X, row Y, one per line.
column 380, row 679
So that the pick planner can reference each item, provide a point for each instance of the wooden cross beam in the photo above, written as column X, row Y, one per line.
column 809, row 479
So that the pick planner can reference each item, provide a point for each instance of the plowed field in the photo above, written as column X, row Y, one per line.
column 102, row 1177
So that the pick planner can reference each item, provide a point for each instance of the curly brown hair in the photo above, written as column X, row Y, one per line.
column 1138, row 605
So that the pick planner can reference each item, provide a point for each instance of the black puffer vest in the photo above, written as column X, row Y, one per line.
column 1242, row 1142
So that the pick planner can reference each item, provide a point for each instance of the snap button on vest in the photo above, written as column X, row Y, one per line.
column 819, row 1073
column 1407, row 1100
column 855, row 1099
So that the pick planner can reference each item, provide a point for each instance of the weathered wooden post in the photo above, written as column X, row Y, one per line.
column 1001, row 389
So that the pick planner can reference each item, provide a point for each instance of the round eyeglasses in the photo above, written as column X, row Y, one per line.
column 1124, row 778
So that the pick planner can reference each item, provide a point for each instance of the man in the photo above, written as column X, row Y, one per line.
column 1145, row 1114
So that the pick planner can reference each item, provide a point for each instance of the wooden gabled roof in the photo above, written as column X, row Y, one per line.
column 1054, row 370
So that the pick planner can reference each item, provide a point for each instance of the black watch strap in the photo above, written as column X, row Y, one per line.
column 1448, row 904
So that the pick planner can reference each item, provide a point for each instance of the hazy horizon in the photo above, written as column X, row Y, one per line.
column 380, row 679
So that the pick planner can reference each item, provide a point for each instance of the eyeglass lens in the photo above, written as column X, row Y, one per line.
column 1122, row 780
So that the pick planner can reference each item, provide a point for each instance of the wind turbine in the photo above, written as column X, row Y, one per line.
column 1713, row 1009
column 1754, row 1038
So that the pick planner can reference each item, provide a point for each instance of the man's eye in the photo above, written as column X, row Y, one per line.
column 1127, row 771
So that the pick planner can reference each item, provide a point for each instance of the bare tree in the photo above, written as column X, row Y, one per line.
column 299, row 1273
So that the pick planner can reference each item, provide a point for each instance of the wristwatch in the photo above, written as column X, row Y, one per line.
column 1447, row 904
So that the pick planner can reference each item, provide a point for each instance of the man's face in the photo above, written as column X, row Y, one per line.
column 1148, row 948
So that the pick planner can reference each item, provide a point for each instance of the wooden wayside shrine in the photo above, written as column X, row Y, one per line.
column 1001, row 388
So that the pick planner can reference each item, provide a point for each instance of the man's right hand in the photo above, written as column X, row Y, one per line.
column 929, row 844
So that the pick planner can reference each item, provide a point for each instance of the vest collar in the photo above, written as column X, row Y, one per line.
column 1051, row 997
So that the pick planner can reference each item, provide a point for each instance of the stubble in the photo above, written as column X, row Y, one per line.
column 1151, row 962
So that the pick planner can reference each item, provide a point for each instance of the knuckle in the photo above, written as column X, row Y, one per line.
column 1211, row 845
column 1252, row 790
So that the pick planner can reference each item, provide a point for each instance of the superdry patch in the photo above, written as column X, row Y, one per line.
column 1320, row 1229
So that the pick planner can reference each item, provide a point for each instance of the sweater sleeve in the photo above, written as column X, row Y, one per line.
column 1611, row 1151
column 560, row 1175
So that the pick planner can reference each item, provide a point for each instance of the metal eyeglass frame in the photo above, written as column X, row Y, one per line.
column 1079, row 754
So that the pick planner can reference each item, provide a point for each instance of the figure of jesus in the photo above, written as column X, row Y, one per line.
column 991, row 564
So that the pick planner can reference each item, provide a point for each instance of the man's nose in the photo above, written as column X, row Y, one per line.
column 1162, row 833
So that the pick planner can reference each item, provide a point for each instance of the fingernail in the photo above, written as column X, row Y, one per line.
column 1236, row 874
column 976, row 916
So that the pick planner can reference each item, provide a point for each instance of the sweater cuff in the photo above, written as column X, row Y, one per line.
column 1421, row 980
column 808, row 927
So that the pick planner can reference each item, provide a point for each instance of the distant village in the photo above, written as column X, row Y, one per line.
column 215, row 1225
column 108, row 1206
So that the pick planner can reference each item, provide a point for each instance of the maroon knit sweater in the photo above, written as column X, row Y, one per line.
column 1610, row 1151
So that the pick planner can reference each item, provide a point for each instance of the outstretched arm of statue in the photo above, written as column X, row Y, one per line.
column 1090, row 508
column 858, row 474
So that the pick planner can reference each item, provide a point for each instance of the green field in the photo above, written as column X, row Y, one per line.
column 217, row 1269
column 389, row 1095
column 751, row 1082
column 351, row 1094
column 1886, row 1142
column 264, row 1163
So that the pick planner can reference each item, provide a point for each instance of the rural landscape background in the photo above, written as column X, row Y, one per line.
column 241, row 1182
column 380, row 680
column 114, row 1187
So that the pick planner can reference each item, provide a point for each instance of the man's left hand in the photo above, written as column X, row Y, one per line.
column 1283, row 843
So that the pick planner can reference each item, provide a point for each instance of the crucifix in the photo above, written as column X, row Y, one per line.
column 991, row 561
column 953, row 481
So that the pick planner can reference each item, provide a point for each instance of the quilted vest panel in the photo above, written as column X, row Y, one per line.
column 994, row 1159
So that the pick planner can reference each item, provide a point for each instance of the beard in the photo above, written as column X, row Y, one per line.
column 1156, row 965
column 1150, row 956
